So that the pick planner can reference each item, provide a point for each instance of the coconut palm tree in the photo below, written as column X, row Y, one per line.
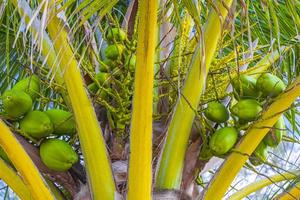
column 158, row 92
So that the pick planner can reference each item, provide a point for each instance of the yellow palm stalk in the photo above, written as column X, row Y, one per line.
column 10, row 177
column 90, row 135
column 171, row 163
column 249, row 142
column 24, row 165
column 244, row 192
column 293, row 193
column 140, row 162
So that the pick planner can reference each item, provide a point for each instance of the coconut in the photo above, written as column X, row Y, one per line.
column 216, row 112
column 116, row 34
column 274, row 136
column 246, row 110
column 130, row 62
column 63, row 122
column 16, row 103
column 57, row 155
column 36, row 124
column 30, row 85
column 270, row 85
column 260, row 154
column 245, row 86
column 223, row 140
column 114, row 51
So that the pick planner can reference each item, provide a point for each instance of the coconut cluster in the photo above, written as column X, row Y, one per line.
column 112, row 85
column 251, row 95
column 38, row 125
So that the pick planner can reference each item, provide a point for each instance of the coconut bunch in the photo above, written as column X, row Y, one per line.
column 38, row 126
column 251, row 95
column 112, row 85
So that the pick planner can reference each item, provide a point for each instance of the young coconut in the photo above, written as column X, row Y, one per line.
column 57, row 155
column 110, row 65
column 114, row 51
column 63, row 122
column 130, row 62
column 30, row 85
column 116, row 34
column 216, row 112
column 274, row 136
column 102, row 78
column 36, row 124
column 16, row 103
column 105, row 65
column 93, row 88
column 223, row 140
column 270, row 85
column 205, row 153
column 246, row 110
column 259, row 156
column 245, row 86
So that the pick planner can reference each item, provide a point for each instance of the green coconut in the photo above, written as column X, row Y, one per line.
column 16, row 103
column 57, row 154
column 111, row 64
column 270, row 85
column 205, row 153
column 130, row 62
column 116, row 34
column 102, row 78
column 274, row 136
column 114, row 51
column 36, row 124
column 246, row 110
column 30, row 85
column 63, row 122
column 223, row 140
column 245, row 86
column 216, row 112
column 259, row 156
column 105, row 65
column 94, row 89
